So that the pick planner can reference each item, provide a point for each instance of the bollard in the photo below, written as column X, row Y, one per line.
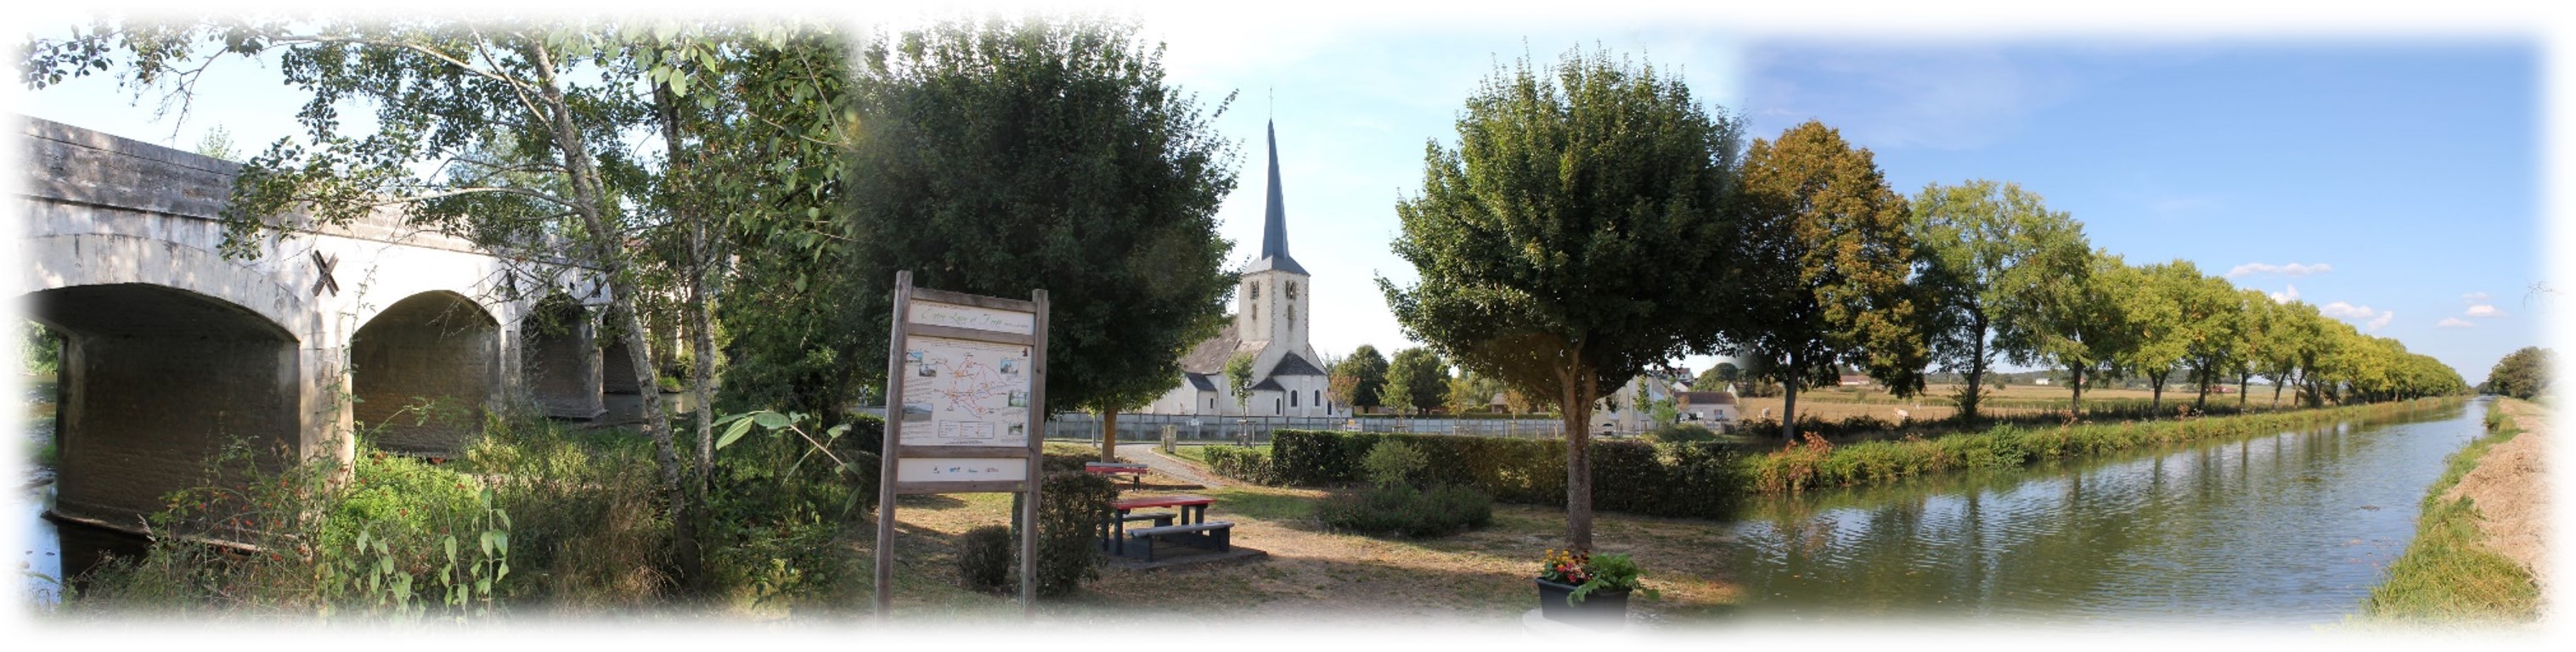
column 1170, row 432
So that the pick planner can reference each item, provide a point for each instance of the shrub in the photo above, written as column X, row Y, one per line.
column 1071, row 509
column 1241, row 463
column 984, row 558
column 1681, row 433
column 1393, row 463
column 1406, row 511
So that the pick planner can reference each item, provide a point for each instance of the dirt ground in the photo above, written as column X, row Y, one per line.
column 2511, row 493
column 1478, row 577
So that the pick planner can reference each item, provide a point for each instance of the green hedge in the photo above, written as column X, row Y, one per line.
column 1705, row 479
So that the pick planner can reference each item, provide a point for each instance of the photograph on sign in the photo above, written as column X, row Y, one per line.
column 965, row 393
column 960, row 469
column 983, row 319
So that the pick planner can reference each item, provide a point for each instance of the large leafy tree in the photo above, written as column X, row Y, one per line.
column 996, row 157
column 2078, row 324
column 2522, row 374
column 1359, row 380
column 1417, row 380
column 1993, row 250
column 1823, row 268
column 1564, row 244
column 2155, row 316
column 2212, row 327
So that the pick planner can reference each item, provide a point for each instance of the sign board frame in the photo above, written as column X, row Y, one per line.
column 981, row 323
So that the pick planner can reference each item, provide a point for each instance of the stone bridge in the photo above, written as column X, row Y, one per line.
column 172, row 351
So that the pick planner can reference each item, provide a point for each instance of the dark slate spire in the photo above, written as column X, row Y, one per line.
column 1274, row 229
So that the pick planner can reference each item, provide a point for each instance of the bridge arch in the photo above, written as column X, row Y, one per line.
column 154, row 382
column 423, row 372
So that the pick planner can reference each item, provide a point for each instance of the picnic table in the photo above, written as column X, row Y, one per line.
column 1187, row 524
column 1135, row 472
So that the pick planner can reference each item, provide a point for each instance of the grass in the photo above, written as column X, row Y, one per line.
column 2447, row 575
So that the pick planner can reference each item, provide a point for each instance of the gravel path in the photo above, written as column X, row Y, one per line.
column 1166, row 465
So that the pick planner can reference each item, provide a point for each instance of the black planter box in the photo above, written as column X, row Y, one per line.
column 1600, row 609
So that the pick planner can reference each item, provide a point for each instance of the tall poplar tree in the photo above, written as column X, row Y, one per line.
column 1566, row 241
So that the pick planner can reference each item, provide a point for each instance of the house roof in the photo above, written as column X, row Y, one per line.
column 1200, row 382
column 1705, row 398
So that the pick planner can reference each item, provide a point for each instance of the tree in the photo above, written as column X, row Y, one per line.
column 1821, row 268
column 1360, row 379
column 2522, row 374
column 2212, row 329
column 1416, row 380
column 1238, row 379
column 1717, row 377
column 2078, row 324
column 2159, row 313
column 998, row 157
column 1564, row 244
column 1991, row 249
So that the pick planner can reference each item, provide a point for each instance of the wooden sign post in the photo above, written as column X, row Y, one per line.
column 965, row 411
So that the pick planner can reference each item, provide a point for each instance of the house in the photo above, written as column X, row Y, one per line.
column 1269, row 324
column 1712, row 408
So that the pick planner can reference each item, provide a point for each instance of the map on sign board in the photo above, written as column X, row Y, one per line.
column 965, row 393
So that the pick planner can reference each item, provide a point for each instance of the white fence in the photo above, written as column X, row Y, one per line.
column 1143, row 428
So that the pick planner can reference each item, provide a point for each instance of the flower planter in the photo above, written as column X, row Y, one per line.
column 1600, row 609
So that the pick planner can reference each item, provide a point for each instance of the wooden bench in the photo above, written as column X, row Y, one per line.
column 1214, row 535
column 1135, row 472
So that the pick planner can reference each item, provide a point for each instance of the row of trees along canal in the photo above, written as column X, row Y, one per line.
column 1591, row 219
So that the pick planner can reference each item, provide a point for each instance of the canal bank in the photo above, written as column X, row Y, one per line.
column 2479, row 555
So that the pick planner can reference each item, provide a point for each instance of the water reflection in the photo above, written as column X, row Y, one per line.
column 2292, row 528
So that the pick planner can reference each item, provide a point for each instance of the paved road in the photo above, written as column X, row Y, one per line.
column 1145, row 454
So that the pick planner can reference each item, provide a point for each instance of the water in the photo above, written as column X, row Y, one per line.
column 2279, row 530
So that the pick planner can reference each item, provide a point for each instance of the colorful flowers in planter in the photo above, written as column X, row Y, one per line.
column 1587, row 573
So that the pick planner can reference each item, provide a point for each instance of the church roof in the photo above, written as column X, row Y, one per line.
column 1268, row 385
column 1208, row 358
column 1200, row 382
column 1274, row 226
column 1294, row 365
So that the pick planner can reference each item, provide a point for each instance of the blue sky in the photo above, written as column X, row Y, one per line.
column 2409, row 167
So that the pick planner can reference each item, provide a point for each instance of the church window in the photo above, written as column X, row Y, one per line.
column 1292, row 290
column 1256, row 290
column 1292, row 399
column 1274, row 407
column 1256, row 312
column 1292, row 314
column 1319, row 397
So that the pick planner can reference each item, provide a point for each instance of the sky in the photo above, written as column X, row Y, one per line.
column 2388, row 172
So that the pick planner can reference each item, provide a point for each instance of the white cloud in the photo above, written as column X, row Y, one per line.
column 2474, row 297
column 2286, row 296
column 2454, row 322
column 2373, row 319
column 2292, row 269
column 2484, row 310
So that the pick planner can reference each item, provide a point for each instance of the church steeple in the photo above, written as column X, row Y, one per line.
column 1274, row 228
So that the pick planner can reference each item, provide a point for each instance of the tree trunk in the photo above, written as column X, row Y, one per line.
column 2201, row 403
column 1789, row 399
column 2156, row 397
column 609, row 254
column 701, row 328
column 1976, row 374
column 2075, row 406
column 1579, row 386
column 2244, row 383
column 2277, row 384
column 1109, row 435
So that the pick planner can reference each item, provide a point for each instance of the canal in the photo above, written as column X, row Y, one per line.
column 2286, row 529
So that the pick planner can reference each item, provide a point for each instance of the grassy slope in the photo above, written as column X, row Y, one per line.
column 2447, row 574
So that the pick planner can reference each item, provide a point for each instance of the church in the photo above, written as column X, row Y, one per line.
column 1270, row 325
